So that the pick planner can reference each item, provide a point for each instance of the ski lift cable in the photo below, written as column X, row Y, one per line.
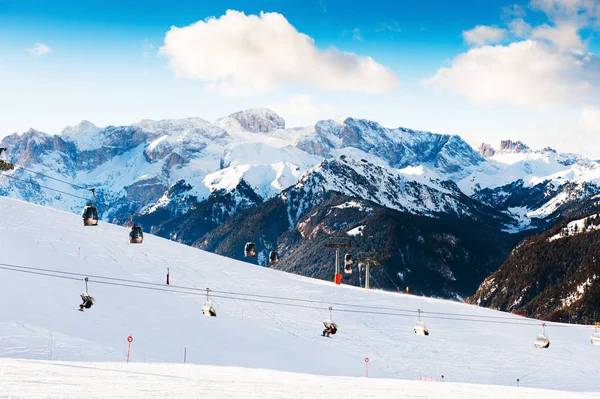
column 53, row 178
column 356, row 311
column 37, row 184
column 386, row 273
column 375, row 280
column 238, row 298
column 241, row 294
column 237, row 295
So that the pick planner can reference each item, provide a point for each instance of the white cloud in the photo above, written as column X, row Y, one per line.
column 526, row 73
column 39, row 49
column 545, row 66
column 255, row 53
column 482, row 34
column 565, row 36
column 301, row 109
column 513, row 11
column 356, row 34
column 519, row 28
column 580, row 11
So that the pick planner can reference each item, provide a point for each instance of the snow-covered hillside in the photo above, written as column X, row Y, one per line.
column 143, row 380
column 39, row 319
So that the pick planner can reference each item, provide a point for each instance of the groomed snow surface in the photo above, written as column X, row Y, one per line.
column 43, row 379
column 39, row 321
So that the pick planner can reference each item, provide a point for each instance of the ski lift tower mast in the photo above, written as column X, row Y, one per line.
column 337, row 243
column 367, row 259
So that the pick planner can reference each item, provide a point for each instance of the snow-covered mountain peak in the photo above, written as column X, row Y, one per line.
column 408, row 190
column 171, row 125
column 486, row 150
column 510, row 146
column 82, row 127
column 255, row 120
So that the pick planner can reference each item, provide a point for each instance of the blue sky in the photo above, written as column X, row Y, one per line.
column 64, row 61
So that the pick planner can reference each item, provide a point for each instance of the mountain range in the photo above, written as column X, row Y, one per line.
column 246, row 177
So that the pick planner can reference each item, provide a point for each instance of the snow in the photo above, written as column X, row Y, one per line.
column 84, row 135
column 144, row 380
column 578, row 294
column 203, row 148
column 156, row 142
column 576, row 227
column 356, row 231
column 42, row 322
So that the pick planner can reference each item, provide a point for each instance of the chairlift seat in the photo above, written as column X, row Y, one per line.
column 208, row 309
column 541, row 341
column 421, row 328
column 329, row 323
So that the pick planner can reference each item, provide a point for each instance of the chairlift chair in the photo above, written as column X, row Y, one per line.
column 330, row 326
column 208, row 309
column 250, row 250
column 542, row 340
column 274, row 257
column 595, row 338
column 420, row 326
column 136, row 235
column 87, row 299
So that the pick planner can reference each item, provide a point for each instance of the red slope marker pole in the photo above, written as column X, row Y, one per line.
column 367, row 366
column 129, row 341
column 184, row 354
column 167, row 276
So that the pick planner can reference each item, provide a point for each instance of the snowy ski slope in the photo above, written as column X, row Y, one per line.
column 41, row 379
column 39, row 320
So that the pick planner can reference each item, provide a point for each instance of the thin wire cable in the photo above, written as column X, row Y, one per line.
column 53, row 178
column 386, row 273
column 202, row 291
column 39, row 185
column 375, row 280
column 241, row 299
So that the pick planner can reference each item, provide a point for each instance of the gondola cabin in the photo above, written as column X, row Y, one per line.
column 136, row 236
column 249, row 250
column 348, row 260
column 274, row 257
column 90, row 216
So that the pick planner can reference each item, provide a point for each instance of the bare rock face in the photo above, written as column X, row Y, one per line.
column 158, row 149
column 513, row 146
column 259, row 120
column 486, row 150
column 146, row 191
